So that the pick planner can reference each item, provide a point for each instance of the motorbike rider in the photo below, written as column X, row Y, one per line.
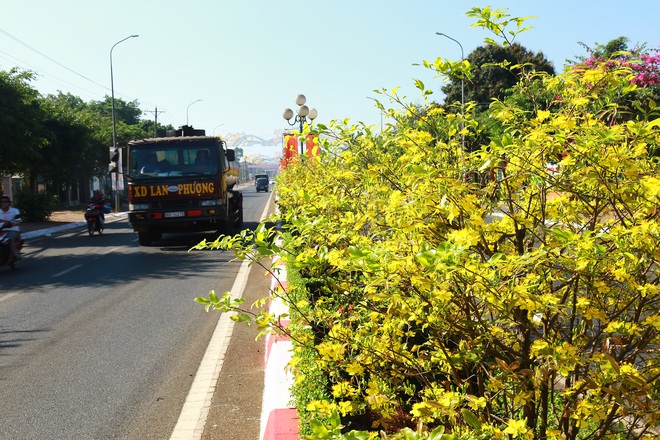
column 13, row 216
column 98, row 200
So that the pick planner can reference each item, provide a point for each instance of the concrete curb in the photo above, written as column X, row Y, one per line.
column 65, row 227
column 279, row 421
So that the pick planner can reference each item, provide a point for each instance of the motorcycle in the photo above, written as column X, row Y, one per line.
column 6, row 254
column 94, row 219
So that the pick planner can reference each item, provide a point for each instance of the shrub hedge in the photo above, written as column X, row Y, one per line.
column 428, row 304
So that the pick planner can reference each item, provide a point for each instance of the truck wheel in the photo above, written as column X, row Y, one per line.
column 144, row 238
column 227, row 226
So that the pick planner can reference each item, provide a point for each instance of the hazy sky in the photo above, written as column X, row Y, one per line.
column 247, row 60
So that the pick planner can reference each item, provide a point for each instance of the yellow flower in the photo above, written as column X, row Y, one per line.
column 516, row 428
column 542, row 115
column 343, row 389
column 477, row 402
column 345, row 408
column 330, row 351
column 538, row 347
column 354, row 369
column 653, row 321
column 320, row 406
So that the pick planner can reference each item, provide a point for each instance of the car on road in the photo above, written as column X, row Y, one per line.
column 262, row 184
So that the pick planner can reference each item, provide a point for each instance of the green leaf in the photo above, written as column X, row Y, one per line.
column 355, row 252
column 418, row 169
column 562, row 235
column 485, row 165
column 471, row 419
column 319, row 430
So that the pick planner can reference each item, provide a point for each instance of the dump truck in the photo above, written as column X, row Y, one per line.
column 183, row 182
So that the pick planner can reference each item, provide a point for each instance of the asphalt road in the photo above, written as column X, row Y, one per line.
column 100, row 338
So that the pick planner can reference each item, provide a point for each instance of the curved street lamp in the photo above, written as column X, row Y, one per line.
column 220, row 125
column 303, row 115
column 188, row 108
column 462, row 91
column 114, row 121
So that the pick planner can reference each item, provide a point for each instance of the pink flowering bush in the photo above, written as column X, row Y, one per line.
column 645, row 65
column 648, row 72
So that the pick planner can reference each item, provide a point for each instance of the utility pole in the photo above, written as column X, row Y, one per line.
column 155, row 113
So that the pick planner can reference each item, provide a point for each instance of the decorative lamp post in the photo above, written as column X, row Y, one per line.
column 303, row 115
column 114, row 121
column 188, row 108
column 462, row 92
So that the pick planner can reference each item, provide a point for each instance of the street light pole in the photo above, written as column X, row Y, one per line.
column 304, row 113
column 114, row 120
column 216, row 127
column 462, row 93
column 188, row 108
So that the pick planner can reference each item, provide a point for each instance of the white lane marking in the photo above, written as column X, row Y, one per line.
column 9, row 295
column 195, row 410
column 67, row 270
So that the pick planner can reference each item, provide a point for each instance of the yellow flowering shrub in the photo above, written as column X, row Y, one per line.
column 524, row 307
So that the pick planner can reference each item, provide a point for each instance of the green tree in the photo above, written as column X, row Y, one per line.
column 72, row 154
column 20, row 113
column 600, row 51
column 127, row 118
column 147, row 127
column 496, row 69
column 489, row 73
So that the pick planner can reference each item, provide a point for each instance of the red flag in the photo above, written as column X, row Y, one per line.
column 290, row 149
column 312, row 146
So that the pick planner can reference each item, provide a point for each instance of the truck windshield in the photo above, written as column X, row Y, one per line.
column 174, row 159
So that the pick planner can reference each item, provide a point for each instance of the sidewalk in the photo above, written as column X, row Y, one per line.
column 61, row 221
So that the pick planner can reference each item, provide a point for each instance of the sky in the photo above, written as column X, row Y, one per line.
column 231, row 67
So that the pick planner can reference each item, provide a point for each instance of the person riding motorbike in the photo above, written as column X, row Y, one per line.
column 13, row 216
column 98, row 200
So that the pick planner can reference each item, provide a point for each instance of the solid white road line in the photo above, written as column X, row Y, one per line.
column 67, row 270
column 196, row 408
column 7, row 296
column 192, row 419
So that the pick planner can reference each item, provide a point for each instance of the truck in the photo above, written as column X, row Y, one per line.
column 183, row 182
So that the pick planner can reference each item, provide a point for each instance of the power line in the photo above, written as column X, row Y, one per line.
column 24, row 44
column 47, row 76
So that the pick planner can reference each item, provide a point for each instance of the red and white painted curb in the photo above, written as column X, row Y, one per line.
column 279, row 420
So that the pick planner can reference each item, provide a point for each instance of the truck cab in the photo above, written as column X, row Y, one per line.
column 181, row 183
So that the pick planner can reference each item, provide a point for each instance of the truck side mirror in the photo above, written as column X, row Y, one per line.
column 231, row 156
